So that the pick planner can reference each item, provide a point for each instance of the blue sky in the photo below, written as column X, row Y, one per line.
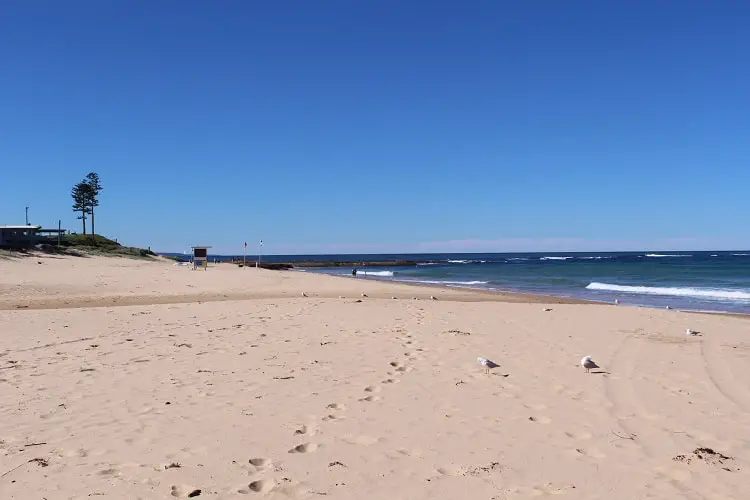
column 380, row 126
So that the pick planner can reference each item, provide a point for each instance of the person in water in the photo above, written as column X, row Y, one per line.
column 354, row 272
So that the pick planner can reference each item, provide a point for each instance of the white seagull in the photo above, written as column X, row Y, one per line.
column 432, row 297
column 304, row 294
column 488, row 364
column 588, row 363
column 691, row 333
column 364, row 294
column 617, row 301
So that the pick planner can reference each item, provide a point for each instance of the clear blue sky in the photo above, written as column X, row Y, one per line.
column 357, row 126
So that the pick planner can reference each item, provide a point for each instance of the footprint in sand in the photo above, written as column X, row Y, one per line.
column 260, row 462
column 370, row 399
column 336, row 406
column 259, row 486
column 185, row 491
column 304, row 448
column 371, row 388
column 390, row 381
column 449, row 471
column 309, row 430
column 329, row 418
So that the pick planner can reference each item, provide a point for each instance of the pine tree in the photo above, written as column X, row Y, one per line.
column 94, row 187
column 80, row 195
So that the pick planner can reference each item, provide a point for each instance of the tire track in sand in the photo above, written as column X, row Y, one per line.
column 627, row 406
column 721, row 376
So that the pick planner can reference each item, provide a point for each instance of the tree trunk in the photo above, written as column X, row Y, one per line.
column 93, row 233
column 83, row 218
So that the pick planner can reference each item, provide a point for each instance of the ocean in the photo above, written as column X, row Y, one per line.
column 702, row 281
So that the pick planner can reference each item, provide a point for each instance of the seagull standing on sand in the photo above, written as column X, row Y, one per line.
column 364, row 295
column 691, row 333
column 487, row 364
column 588, row 363
column 432, row 297
column 304, row 294
column 617, row 301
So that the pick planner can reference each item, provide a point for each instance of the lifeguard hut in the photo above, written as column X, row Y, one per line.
column 200, row 257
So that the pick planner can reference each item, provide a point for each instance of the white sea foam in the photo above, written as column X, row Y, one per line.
column 666, row 255
column 555, row 258
column 428, row 263
column 517, row 258
column 699, row 293
column 458, row 261
column 741, row 254
column 375, row 273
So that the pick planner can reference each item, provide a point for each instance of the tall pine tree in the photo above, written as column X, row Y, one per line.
column 94, row 187
column 80, row 195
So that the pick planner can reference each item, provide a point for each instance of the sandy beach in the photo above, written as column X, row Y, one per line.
column 133, row 379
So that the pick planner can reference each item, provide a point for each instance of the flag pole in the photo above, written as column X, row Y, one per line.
column 260, row 251
column 244, row 252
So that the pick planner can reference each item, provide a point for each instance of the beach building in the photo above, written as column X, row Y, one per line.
column 25, row 236
column 19, row 236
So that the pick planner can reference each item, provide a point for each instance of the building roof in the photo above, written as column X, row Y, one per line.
column 21, row 227
column 200, row 247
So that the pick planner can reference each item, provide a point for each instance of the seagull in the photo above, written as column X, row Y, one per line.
column 691, row 333
column 588, row 363
column 547, row 309
column 341, row 297
column 617, row 301
column 364, row 295
column 487, row 364
column 432, row 297
column 669, row 307
column 304, row 294
column 414, row 298
column 394, row 298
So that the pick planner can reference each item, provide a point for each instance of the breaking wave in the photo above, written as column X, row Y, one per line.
column 375, row 273
column 698, row 293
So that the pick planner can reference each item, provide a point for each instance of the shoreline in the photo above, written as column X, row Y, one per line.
column 532, row 298
column 376, row 288
column 442, row 293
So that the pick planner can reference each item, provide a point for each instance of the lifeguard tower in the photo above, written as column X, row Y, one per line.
column 200, row 257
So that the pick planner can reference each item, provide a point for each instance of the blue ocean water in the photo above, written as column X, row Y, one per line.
column 707, row 281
